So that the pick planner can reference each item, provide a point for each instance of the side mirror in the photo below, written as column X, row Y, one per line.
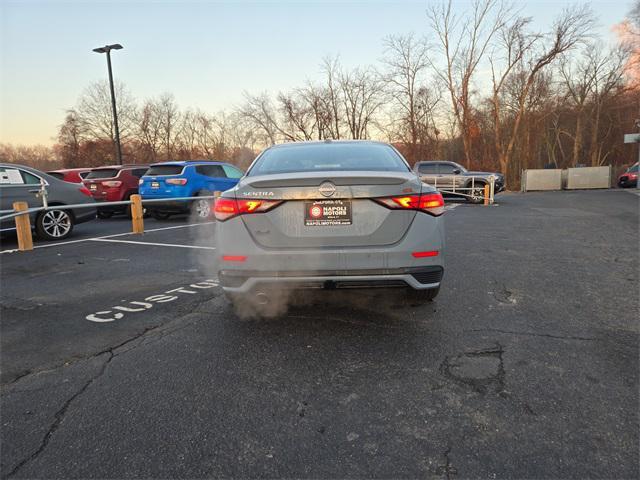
column 456, row 171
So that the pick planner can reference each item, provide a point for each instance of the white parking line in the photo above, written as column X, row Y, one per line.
column 150, row 243
column 46, row 245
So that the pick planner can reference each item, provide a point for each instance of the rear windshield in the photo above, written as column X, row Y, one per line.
column 58, row 175
column 102, row 173
column 318, row 157
column 165, row 170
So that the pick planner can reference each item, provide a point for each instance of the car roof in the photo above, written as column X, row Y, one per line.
column 119, row 167
column 184, row 163
column 65, row 170
column 325, row 142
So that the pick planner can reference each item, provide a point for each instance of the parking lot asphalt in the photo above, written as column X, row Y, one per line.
column 123, row 360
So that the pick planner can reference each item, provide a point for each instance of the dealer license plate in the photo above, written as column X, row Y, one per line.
column 327, row 213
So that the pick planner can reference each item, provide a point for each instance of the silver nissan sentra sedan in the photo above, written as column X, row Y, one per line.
column 329, row 215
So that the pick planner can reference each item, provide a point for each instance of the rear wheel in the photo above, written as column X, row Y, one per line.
column 477, row 194
column 54, row 224
column 202, row 208
column 421, row 296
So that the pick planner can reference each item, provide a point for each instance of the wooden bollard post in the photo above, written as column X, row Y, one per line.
column 486, row 194
column 137, row 221
column 23, row 227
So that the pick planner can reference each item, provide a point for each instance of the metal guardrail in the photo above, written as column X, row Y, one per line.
column 15, row 213
column 21, row 212
column 488, row 191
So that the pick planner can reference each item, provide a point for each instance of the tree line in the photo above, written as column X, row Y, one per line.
column 483, row 88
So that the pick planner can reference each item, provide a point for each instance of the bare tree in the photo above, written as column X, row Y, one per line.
column 607, row 69
column 362, row 97
column 149, row 130
column 537, row 52
column 578, row 79
column 332, row 96
column 94, row 111
column 169, row 115
column 464, row 41
column 259, row 110
column 407, row 61
column 70, row 138
column 298, row 115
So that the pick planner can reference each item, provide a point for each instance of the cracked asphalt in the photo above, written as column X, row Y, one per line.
column 525, row 366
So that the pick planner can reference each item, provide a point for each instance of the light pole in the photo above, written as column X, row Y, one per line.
column 107, row 49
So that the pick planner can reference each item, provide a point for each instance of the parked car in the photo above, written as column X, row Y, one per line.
column 22, row 184
column 73, row 175
column 630, row 177
column 446, row 176
column 329, row 215
column 114, row 183
column 169, row 180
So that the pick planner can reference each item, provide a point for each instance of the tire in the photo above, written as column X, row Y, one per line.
column 421, row 296
column 104, row 215
column 477, row 192
column 201, row 209
column 54, row 224
column 160, row 215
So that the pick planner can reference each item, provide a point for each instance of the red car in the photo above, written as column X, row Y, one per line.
column 73, row 175
column 630, row 177
column 114, row 184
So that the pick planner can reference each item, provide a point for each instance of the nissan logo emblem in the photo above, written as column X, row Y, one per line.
column 327, row 189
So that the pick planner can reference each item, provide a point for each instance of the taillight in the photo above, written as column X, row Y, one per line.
column 226, row 208
column 431, row 203
column 234, row 258
column 85, row 191
column 176, row 181
column 112, row 183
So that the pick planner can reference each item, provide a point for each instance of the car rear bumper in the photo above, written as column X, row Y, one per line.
column 418, row 278
column 625, row 182
column 245, row 265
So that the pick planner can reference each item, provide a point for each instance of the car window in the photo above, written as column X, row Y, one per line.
column 102, row 173
column 160, row 170
column 83, row 175
column 336, row 156
column 428, row 168
column 10, row 176
column 29, row 178
column 138, row 172
column 215, row 171
column 232, row 172
column 633, row 169
column 58, row 175
column 446, row 168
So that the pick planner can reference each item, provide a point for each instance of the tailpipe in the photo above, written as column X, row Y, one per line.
column 262, row 298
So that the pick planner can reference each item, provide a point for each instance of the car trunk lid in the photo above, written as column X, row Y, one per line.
column 347, row 215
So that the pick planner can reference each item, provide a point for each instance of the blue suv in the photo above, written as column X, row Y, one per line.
column 169, row 180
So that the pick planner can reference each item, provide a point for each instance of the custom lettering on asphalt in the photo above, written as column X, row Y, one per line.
column 117, row 312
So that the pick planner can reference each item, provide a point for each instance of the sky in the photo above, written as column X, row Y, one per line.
column 207, row 53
